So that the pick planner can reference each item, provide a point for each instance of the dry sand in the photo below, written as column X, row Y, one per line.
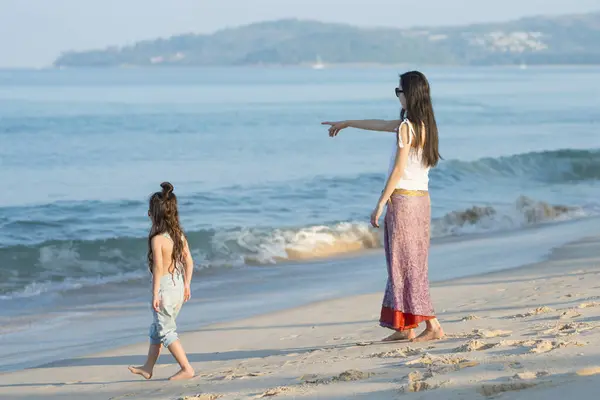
column 532, row 333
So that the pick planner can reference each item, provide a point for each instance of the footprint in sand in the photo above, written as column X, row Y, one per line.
column 474, row 345
column 346, row 376
column 459, row 335
column 397, row 353
column 544, row 346
column 540, row 346
column 231, row 375
column 527, row 376
column 569, row 329
column 417, row 386
column 446, row 369
column 487, row 334
column 202, row 396
column 441, row 365
column 274, row 392
column 425, row 361
column 492, row 389
column 417, row 383
column 352, row 375
column 537, row 311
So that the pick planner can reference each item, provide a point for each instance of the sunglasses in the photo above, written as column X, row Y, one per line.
column 398, row 91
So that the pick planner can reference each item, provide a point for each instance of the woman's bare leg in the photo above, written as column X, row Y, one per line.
column 433, row 331
column 401, row 335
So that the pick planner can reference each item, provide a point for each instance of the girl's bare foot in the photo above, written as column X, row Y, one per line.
column 429, row 334
column 141, row 371
column 183, row 374
column 400, row 335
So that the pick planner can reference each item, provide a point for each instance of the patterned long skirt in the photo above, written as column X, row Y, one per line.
column 406, row 240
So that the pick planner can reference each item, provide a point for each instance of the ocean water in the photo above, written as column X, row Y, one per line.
column 262, row 188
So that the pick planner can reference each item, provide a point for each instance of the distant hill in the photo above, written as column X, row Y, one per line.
column 573, row 39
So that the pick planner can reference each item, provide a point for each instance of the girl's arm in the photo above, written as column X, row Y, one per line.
column 157, row 271
column 364, row 124
column 189, row 270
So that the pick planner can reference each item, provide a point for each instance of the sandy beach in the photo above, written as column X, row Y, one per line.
column 531, row 332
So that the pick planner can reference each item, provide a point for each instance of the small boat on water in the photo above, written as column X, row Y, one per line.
column 318, row 64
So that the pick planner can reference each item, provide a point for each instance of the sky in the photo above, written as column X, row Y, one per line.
column 34, row 32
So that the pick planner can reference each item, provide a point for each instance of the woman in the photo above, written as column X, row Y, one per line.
column 407, row 221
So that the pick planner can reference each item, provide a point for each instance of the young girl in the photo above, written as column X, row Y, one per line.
column 407, row 302
column 168, row 252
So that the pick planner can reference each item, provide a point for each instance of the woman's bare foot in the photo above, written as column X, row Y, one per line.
column 429, row 334
column 183, row 374
column 141, row 371
column 400, row 335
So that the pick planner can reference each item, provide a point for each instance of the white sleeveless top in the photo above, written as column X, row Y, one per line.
column 416, row 175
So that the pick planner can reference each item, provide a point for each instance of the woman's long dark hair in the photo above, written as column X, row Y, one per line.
column 165, row 219
column 419, row 110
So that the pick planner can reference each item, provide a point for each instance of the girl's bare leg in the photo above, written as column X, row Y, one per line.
column 147, row 369
column 186, row 371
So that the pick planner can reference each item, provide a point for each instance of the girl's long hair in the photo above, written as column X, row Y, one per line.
column 165, row 219
column 419, row 110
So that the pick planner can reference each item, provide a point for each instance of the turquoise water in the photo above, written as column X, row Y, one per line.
column 256, row 174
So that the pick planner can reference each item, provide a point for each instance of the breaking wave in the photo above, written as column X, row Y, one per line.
column 61, row 265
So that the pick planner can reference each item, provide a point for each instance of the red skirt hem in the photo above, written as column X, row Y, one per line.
column 400, row 321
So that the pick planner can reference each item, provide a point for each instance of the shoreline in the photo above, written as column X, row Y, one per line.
column 266, row 290
column 287, row 350
column 325, row 253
